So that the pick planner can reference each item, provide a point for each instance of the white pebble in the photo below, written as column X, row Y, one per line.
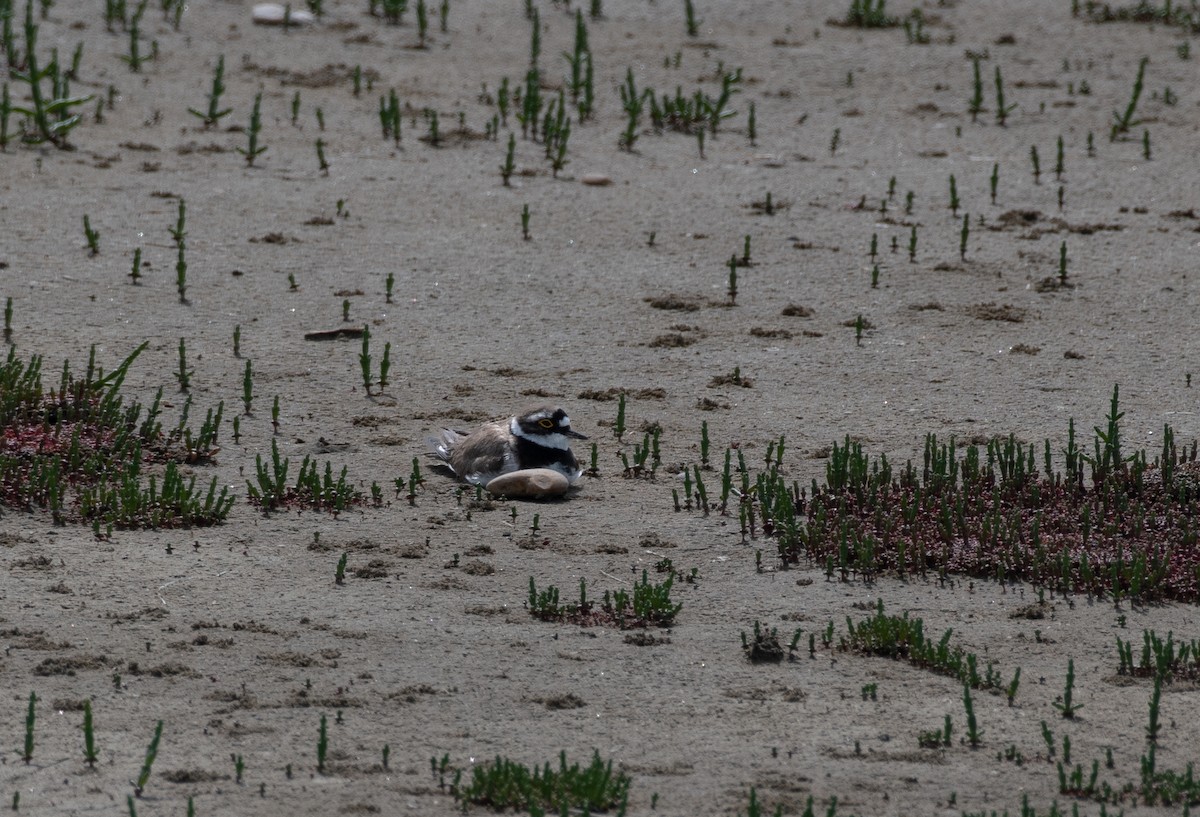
column 272, row 14
column 531, row 483
column 596, row 179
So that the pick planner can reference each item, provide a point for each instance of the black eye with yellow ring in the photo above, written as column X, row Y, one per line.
column 546, row 422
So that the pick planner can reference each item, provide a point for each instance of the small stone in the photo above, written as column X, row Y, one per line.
column 531, row 483
column 596, row 179
column 272, row 14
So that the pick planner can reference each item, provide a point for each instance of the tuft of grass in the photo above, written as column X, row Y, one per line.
column 92, row 237
column 50, row 117
column 903, row 638
column 505, row 784
column 315, row 489
column 648, row 605
column 1160, row 657
column 936, row 738
column 764, row 647
column 869, row 14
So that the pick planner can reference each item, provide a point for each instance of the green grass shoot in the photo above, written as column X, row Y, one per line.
column 1066, row 705
column 247, row 389
column 1002, row 110
column 689, row 16
column 253, row 150
column 364, row 359
column 151, row 753
column 212, row 115
column 89, row 736
column 30, row 720
column 92, row 237
column 1125, row 120
column 506, row 169
column 322, row 743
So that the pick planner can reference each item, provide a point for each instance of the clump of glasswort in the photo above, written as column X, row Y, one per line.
column 990, row 511
column 271, row 491
column 94, row 448
column 51, row 117
column 648, row 605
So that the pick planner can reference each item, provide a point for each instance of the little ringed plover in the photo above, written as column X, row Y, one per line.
column 539, row 438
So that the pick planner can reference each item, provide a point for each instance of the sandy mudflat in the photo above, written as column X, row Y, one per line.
column 237, row 637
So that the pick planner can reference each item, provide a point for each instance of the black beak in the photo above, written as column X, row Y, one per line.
column 570, row 433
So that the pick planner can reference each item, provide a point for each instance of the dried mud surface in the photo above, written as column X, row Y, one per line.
column 237, row 637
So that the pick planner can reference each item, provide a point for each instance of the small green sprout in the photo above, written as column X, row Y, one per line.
column 252, row 151
column 151, row 754
column 92, row 236
column 323, row 741
column 30, row 719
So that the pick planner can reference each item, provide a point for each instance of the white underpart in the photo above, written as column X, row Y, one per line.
column 548, row 440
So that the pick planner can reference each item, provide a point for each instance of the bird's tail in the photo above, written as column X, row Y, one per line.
column 441, row 445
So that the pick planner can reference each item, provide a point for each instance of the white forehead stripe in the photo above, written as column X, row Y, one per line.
column 565, row 422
